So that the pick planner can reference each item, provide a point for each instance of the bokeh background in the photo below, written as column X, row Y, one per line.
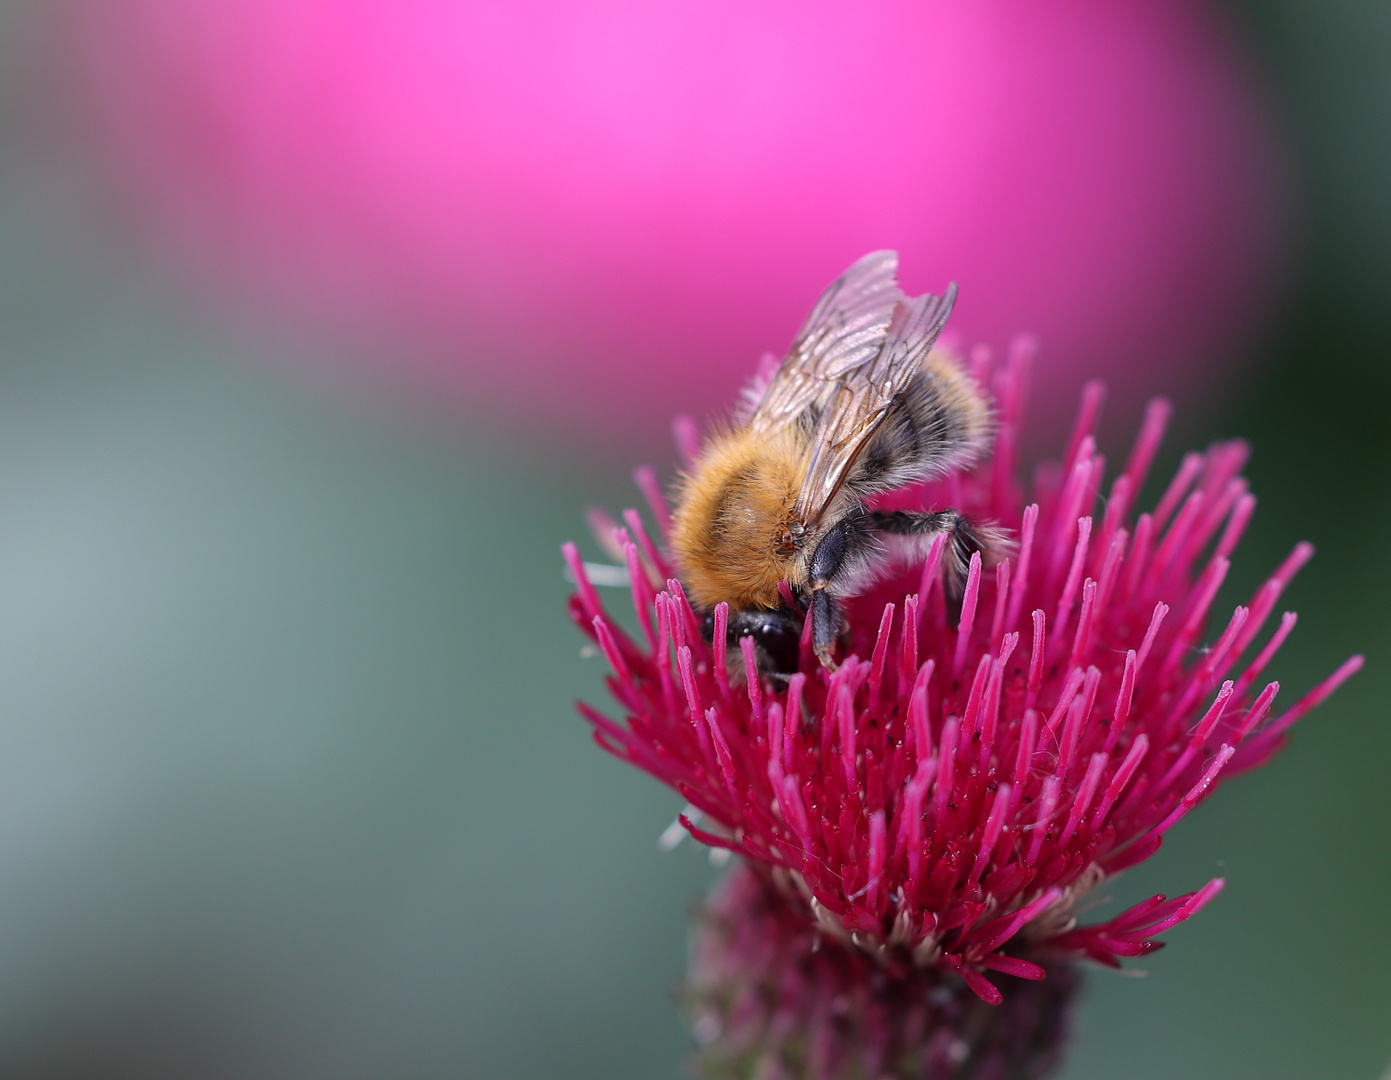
column 322, row 323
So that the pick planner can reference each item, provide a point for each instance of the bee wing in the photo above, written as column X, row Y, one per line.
column 862, row 344
column 865, row 394
column 844, row 331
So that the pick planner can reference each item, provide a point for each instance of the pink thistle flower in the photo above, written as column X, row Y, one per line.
column 939, row 805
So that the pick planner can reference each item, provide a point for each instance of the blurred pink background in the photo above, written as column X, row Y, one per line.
column 597, row 214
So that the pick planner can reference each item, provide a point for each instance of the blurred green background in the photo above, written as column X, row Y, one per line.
column 290, row 781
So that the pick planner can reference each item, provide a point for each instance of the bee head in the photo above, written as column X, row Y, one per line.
column 777, row 638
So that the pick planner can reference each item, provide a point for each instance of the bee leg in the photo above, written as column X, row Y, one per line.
column 825, row 626
column 835, row 556
column 965, row 537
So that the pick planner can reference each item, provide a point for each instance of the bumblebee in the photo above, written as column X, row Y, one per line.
column 860, row 406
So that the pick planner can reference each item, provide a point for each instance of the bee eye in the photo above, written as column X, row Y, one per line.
column 777, row 637
column 781, row 644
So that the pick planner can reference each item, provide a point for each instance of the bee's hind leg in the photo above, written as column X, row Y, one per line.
column 964, row 538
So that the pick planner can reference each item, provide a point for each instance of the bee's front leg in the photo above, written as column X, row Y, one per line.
column 833, row 561
column 824, row 613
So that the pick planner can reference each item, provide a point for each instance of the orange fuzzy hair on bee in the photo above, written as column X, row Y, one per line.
column 733, row 510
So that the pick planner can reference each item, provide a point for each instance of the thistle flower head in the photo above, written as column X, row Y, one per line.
column 941, row 801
